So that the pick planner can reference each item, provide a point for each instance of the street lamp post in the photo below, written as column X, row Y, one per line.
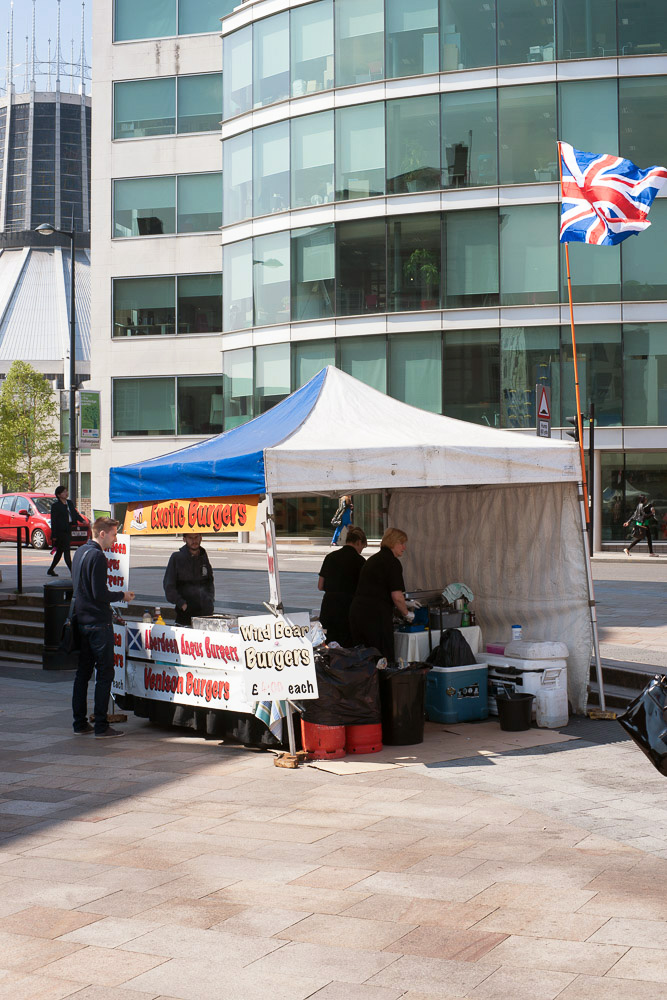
column 46, row 229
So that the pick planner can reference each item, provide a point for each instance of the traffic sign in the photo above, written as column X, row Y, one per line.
column 543, row 402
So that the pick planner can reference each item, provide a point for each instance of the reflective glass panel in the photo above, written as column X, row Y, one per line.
column 271, row 177
column 197, row 16
column 525, row 31
column 643, row 258
column 144, row 307
column 312, row 159
column 415, row 369
column 237, row 75
column 527, row 127
column 271, row 274
column 200, row 303
column 149, row 19
column 645, row 375
column 313, row 273
column 143, row 407
column 366, row 359
column 199, row 203
column 529, row 356
column 145, row 206
column 360, row 151
column 309, row 357
column 468, row 33
column 615, row 507
column 412, row 37
column 237, row 371
column 199, row 404
column 414, row 262
column 199, row 102
column 272, row 375
column 311, row 28
column 528, row 254
column 589, row 115
column 144, row 107
column 413, row 144
column 586, row 29
column 361, row 267
column 237, row 178
column 471, row 277
column 596, row 277
column 469, row 138
column 270, row 47
column 237, row 285
column 471, row 367
column 642, row 27
column 643, row 107
column 359, row 41
column 600, row 365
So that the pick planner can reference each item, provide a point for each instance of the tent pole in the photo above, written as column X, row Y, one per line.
column 591, row 597
column 385, row 510
column 275, row 596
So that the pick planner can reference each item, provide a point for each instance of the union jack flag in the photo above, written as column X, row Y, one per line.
column 605, row 198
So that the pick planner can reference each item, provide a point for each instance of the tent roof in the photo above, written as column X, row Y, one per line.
column 337, row 434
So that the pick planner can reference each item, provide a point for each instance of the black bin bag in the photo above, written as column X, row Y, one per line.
column 347, row 682
column 645, row 720
column 452, row 651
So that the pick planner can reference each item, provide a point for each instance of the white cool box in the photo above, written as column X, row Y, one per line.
column 543, row 675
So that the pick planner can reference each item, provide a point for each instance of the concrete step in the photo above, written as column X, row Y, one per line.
column 21, row 612
column 21, row 644
column 32, row 600
column 623, row 681
column 15, row 626
column 14, row 659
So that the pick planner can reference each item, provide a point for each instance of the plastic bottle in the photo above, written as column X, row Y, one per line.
column 159, row 620
column 147, row 617
column 516, row 633
column 465, row 618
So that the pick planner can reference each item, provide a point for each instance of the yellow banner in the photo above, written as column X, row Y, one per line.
column 212, row 516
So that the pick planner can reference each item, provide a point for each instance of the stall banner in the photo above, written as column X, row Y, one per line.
column 185, row 647
column 119, row 640
column 118, row 567
column 278, row 659
column 212, row 516
column 216, row 688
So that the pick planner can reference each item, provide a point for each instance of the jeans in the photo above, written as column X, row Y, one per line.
column 97, row 653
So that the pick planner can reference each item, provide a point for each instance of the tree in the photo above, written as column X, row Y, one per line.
column 30, row 456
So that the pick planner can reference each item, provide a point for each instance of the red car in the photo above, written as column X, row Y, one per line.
column 38, row 508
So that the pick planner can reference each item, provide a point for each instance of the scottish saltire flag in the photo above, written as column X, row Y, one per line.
column 605, row 198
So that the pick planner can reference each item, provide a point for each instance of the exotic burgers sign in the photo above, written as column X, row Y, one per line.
column 206, row 517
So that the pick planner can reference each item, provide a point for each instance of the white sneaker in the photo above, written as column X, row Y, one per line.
column 627, row 551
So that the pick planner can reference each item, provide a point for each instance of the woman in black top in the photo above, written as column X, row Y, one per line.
column 338, row 579
column 379, row 591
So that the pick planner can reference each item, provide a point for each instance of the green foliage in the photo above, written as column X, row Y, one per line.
column 29, row 444
column 422, row 267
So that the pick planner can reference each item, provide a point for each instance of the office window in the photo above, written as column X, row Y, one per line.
column 199, row 102
column 527, row 128
column 412, row 37
column 149, row 19
column 199, row 203
column 414, row 262
column 525, row 31
column 199, row 404
column 529, row 356
column 469, row 138
column 144, row 107
column 311, row 29
column 313, row 273
column 145, row 206
column 237, row 271
column 468, row 33
column 309, row 357
column 271, row 53
column 471, row 277
column 596, row 277
column 143, row 407
column 198, row 16
column 237, row 178
column 600, row 365
column 645, row 374
column 365, row 358
column 360, row 159
column 642, row 27
column 144, row 307
column 413, row 144
column 237, row 379
column 528, row 254
column 271, row 274
column 361, row 267
column 589, row 115
column 237, row 78
column 471, row 376
column 643, row 107
column 359, row 41
column 200, row 303
column 312, row 143
column 272, row 375
column 271, row 175
column 415, row 367
column 587, row 29
column 84, row 481
column 643, row 258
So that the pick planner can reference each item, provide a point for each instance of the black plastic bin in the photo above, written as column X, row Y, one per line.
column 514, row 711
column 57, row 597
column 403, row 703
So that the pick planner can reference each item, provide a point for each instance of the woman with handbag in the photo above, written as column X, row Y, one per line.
column 641, row 526
column 342, row 519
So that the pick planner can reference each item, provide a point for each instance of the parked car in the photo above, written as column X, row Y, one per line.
column 13, row 509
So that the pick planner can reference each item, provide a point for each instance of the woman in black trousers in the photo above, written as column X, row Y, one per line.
column 379, row 591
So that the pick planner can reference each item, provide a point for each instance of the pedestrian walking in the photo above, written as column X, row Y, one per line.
column 342, row 519
column 64, row 516
column 641, row 520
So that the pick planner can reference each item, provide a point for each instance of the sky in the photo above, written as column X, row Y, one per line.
column 46, row 18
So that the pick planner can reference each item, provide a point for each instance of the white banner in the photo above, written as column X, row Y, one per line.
column 217, row 688
column 118, row 684
column 118, row 567
column 278, row 659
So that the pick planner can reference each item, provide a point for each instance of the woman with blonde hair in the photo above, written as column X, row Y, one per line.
column 379, row 591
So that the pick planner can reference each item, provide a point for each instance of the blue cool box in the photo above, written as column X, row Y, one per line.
column 457, row 694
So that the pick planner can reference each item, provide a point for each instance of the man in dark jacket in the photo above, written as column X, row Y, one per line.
column 92, row 604
column 188, row 581
column 63, row 515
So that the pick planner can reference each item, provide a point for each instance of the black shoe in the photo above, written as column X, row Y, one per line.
column 51, row 572
column 84, row 732
column 108, row 734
